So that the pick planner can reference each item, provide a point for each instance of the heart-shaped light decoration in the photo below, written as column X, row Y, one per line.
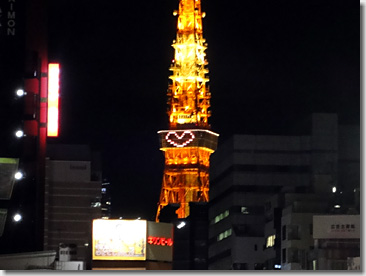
column 183, row 140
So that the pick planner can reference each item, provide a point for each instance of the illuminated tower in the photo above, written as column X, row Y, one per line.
column 188, row 143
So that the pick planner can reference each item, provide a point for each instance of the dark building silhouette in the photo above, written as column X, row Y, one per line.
column 265, row 190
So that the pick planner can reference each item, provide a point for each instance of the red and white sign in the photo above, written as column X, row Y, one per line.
column 53, row 97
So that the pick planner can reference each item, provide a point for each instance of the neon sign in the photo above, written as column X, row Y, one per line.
column 183, row 140
column 159, row 241
column 53, row 95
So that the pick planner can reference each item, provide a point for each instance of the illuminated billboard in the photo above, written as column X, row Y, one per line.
column 115, row 239
column 53, row 97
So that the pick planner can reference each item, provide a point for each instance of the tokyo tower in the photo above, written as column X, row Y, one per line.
column 188, row 143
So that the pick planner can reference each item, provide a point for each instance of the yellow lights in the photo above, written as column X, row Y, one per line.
column 189, row 74
column 187, row 144
column 53, row 99
column 188, row 155
column 119, row 239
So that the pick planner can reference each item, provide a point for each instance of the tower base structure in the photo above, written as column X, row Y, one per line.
column 187, row 161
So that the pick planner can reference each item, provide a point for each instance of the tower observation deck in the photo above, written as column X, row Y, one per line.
column 188, row 143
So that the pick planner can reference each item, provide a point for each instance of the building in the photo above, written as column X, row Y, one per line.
column 24, row 66
column 72, row 198
column 296, row 235
column 262, row 186
column 336, row 242
column 190, row 250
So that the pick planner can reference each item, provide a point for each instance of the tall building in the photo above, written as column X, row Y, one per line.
column 190, row 250
column 188, row 143
column 72, row 198
column 24, row 66
column 265, row 190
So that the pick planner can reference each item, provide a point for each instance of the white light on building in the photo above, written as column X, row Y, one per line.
column 19, row 133
column 18, row 175
column 181, row 225
column 17, row 217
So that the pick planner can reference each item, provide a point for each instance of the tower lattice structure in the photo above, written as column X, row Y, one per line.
column 188, row 143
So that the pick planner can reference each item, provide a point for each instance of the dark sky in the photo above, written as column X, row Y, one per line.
column 272, row 63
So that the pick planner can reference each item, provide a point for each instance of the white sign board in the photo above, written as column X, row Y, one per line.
column 336, row 227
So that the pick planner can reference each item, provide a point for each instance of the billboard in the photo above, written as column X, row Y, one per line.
column 336, row 227
column 115, row 239
column 159, row 241
column 53, row 99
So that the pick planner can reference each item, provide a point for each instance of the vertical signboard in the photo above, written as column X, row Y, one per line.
column 53, row 97
column 159, row 241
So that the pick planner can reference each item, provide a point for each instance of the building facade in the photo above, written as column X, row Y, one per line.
column 262, row 186
column 336, row 242
column 72, row 198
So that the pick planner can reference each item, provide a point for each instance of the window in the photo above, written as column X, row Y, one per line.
column 244, row 210
column 293, row 232
column 283, row 232
column 284, row 255
column 270, row 241
column 224, row 235
column 220, row 217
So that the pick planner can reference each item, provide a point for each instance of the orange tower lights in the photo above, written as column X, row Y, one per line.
column 188, row 143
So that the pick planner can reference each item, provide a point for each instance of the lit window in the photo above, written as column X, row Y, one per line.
column 221, row 216
column 270, row 241
column 96, row 204
column 244, row 210
column 224, row 235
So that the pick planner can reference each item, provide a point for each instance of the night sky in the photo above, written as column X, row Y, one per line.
column 272, row 63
